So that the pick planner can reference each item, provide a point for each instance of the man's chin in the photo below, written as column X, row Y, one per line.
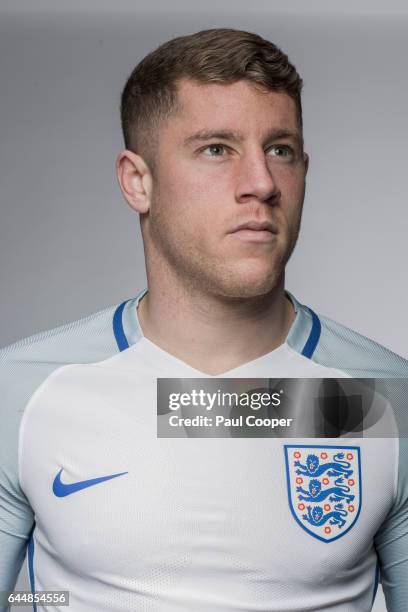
column 246, row 288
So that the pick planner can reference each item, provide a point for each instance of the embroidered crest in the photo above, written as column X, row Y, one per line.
column 324, row 488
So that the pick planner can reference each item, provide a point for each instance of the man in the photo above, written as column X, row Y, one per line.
column 214, row 165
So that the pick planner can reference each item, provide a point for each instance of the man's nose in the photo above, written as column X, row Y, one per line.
column 256, row 180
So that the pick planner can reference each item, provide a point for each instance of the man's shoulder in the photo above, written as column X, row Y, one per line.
column 81, row 339
column 334, row 345
column 25, row 364
column 359, row 356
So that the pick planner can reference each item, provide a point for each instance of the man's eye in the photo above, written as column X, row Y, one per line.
column 281, row 151
column 214, row 150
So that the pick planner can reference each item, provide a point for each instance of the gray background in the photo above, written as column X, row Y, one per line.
column 68, row 243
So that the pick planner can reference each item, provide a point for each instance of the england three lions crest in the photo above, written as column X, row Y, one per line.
column 324, row 488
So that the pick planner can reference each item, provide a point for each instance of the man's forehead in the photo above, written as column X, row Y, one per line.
column 206, row 108
column 193, row 91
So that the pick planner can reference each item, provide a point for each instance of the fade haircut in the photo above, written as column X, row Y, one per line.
column 219, row 55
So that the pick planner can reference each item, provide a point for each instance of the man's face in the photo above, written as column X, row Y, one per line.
column 231, row 156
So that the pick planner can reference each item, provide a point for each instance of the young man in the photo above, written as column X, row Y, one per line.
column 123, row 520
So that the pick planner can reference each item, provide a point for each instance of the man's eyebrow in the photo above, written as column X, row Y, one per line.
column 276, row 134
column 204, row 135
column 237, row 136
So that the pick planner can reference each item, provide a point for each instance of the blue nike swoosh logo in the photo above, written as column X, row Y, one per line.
column 61, row 489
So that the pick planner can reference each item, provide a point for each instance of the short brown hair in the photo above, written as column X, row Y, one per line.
column 219, row 55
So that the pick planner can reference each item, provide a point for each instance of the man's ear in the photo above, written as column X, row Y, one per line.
column 135, row 180
column 306, row 162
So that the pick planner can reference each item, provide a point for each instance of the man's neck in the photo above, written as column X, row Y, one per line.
column 215, row 335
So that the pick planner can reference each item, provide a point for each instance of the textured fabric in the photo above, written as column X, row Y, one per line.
column 23, row 367
column 184, row 524
column 359, row 356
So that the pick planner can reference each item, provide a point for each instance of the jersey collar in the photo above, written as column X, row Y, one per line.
column 303, row 336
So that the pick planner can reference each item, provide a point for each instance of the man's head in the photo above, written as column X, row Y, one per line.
column 221, row 55
column 213, row 133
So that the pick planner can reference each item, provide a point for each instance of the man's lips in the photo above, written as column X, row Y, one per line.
column 255, row 231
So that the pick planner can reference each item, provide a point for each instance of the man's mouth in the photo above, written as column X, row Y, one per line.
column 255, row 231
